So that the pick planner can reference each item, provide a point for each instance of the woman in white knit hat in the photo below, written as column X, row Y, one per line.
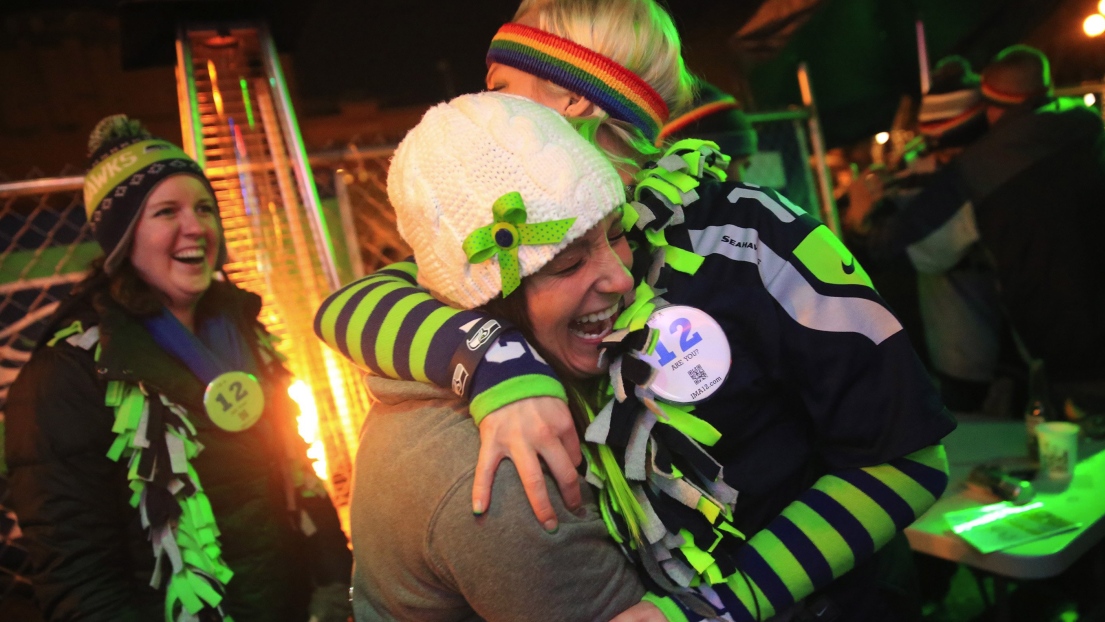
column 615, row 62
column 507, row 208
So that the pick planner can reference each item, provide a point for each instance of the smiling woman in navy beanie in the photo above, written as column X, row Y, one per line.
column 125, row 162
column 154, row 461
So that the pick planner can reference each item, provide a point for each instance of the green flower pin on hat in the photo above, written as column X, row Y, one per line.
column 509, row 231
column 489, row 187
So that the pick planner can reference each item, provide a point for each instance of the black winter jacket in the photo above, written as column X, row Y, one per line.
column 91, row 558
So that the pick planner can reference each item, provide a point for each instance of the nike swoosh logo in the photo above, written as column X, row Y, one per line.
column 849, row 267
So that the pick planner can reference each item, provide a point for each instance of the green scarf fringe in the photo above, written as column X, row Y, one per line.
column 196, row 533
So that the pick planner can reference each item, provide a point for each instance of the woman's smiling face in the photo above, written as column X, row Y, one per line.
column 574, row 299
column 176, row 242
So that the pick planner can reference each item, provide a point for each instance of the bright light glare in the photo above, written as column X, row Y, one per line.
column 1101, row 7
column 308, row 425
column 882, row 137
column 1089, row 98
column 1094, row 24
column 995, row 512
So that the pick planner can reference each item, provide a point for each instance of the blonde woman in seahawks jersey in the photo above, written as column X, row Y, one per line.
column 829, row 426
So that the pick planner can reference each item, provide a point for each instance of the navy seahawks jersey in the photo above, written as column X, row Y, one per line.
column 823, row 377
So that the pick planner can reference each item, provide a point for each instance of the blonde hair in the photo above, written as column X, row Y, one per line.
column 637, row 34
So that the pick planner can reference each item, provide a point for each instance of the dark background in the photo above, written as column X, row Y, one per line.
column 361, row 72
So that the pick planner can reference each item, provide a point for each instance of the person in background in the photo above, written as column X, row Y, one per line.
column 956, row 289
column 717, row 117
column 155, row 465
column 824, row 386
column 1029, row 192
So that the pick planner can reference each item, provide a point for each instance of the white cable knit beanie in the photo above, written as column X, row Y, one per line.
column 466, row 154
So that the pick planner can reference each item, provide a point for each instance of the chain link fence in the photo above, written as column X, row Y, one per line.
column 44, row 247
column 353, row 187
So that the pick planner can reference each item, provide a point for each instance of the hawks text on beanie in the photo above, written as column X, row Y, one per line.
column 125, row 163
column 490, row 185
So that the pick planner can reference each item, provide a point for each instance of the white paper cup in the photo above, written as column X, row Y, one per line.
column 1058, row 449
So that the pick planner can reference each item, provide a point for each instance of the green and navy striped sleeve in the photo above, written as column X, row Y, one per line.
column 841, row 521
column 387, row 324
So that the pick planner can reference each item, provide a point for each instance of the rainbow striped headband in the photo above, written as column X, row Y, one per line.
column 675, row 125
column 618, row 91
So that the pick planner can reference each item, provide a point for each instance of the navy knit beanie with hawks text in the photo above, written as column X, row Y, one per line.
column 125, row 163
